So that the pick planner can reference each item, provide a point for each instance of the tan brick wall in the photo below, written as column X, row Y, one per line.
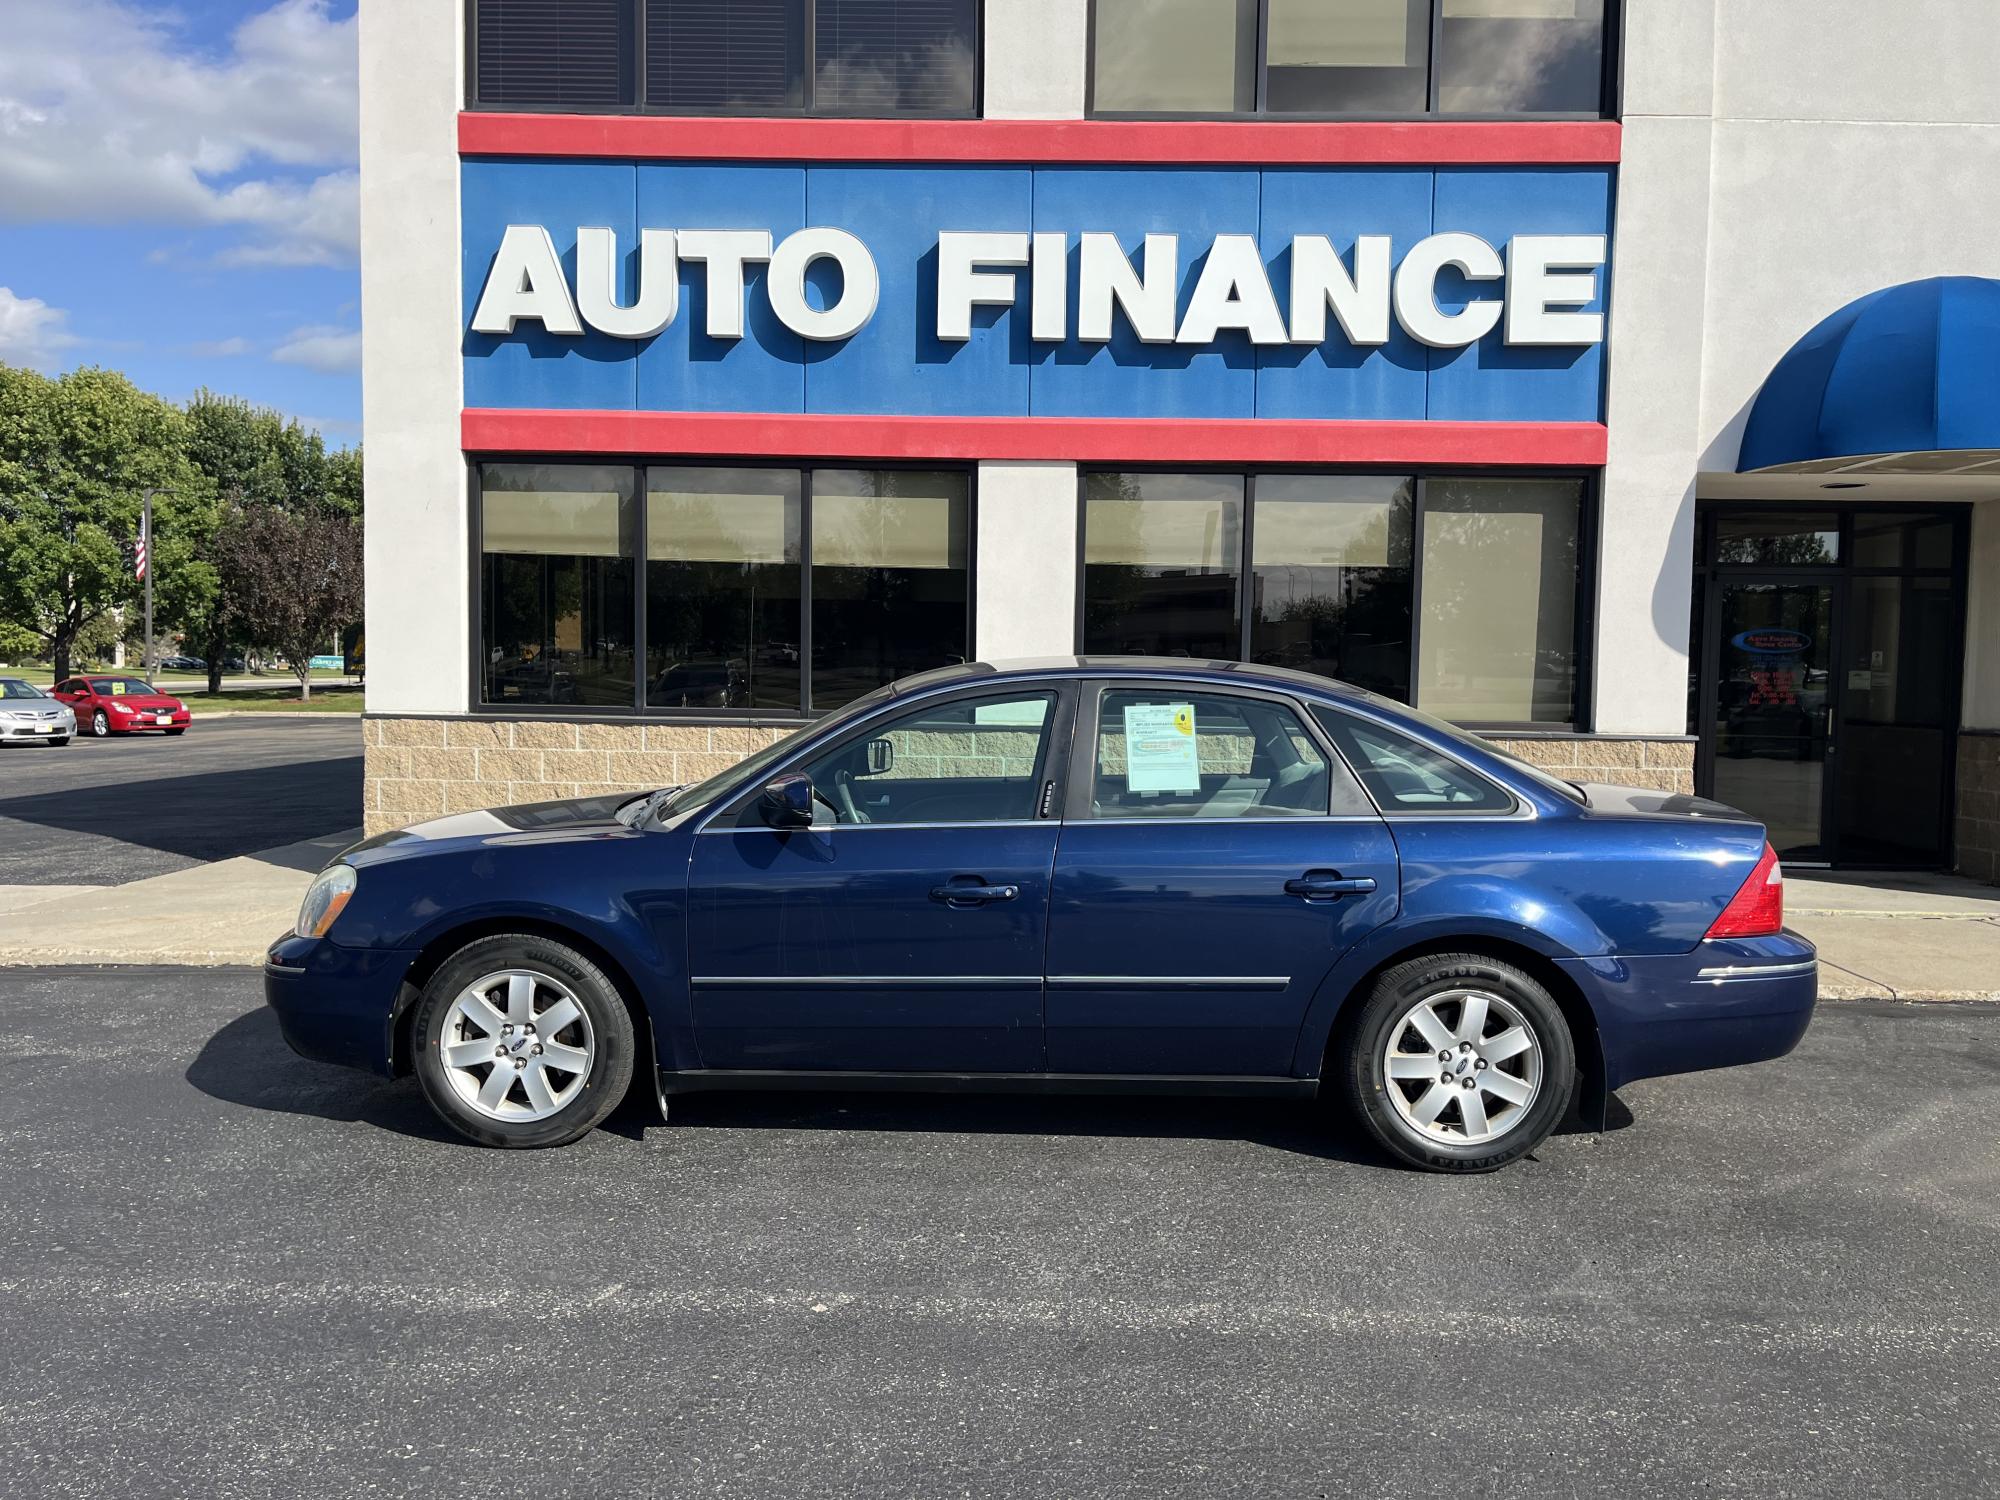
column 423, row 768
column 1978, row 841
column 1664, row 765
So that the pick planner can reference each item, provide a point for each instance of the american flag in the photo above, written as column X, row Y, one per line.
column 139, row 554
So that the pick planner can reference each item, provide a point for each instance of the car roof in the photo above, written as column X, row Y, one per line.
column 1217, row 673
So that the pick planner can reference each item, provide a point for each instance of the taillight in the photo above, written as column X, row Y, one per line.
column 1758, row 907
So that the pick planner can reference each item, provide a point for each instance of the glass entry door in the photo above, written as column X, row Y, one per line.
column 1774, row 709
column 1828, row 645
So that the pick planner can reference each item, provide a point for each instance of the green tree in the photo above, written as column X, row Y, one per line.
column 293, row 577
column 76, row 454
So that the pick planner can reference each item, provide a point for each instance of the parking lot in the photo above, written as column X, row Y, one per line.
column 107, row 812
column 226, row 1271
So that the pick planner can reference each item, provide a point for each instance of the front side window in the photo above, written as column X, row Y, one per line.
column 968, row 761
column 1348, row 57
column 1323, row 572
column 728, row 57
column 674, row 587
column 1169, row 753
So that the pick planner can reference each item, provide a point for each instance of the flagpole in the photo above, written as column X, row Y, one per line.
column 146, row 531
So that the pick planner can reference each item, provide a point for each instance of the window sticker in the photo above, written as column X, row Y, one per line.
column 1160, row 753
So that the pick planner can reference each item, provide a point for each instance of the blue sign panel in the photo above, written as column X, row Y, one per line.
column 1460, row 294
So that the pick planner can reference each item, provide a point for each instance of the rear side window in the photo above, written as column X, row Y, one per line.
column 1407, row 776
column 1175, row 754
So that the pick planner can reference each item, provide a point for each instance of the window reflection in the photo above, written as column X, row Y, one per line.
column 1785, row 540
column 1348, row 56
column 557, row 543
column 1196, row 57
column 1521, row 57
column 1330, row 577
column 1162, row 554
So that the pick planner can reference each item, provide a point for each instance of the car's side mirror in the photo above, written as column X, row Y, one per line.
column 787, row 801
column 881, row 756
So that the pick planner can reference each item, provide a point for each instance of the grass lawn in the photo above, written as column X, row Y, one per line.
column 325, row 700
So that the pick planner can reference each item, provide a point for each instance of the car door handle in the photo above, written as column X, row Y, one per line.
column 973, row 895
column 1317, row 887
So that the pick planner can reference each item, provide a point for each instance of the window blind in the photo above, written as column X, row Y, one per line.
column 554, row 54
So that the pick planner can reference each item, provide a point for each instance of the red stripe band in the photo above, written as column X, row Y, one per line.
column 1079, row 439
column 1129, row 142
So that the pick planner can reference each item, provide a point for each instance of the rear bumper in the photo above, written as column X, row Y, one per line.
column 1730, row 1001
column 335, row 1004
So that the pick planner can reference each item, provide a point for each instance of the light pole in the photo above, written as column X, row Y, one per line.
column 146, row 543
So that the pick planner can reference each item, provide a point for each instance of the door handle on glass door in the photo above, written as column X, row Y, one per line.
column 1317, row 885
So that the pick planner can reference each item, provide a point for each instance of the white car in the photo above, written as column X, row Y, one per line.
column 28, row 713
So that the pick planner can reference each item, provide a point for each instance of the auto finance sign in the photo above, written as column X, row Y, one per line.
column 1449, row 294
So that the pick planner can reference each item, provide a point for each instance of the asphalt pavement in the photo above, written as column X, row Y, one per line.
column 228, row 1272
column 105, row 812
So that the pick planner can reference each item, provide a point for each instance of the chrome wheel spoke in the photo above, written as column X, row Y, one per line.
column 1472, row 1018
column 1412, row 1065
column 558, row 1016
column 1506, row 1086
column 480, row 1011
column 1435, row 1098
column 1510, row 1043
column 568, row 1059
column 520, row 998
column 1431, row 1028
column 536, row 1086
column 494, row 1090
column 1472, row 1110
column 466, row 1054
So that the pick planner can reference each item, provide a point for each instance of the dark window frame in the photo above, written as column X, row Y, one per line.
column 1610, row 82
column 1584, row 622
column 638, row 105
column 639, row 711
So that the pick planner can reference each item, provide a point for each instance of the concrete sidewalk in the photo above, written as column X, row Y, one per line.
column 1915, row 936
column 225, row 912
column 1880, row 937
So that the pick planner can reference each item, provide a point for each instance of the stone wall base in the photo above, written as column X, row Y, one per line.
column 1978, row 840
column 420, row 768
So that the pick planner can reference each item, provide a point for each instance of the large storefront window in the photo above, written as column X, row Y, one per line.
column 728, row 57
column 1348, row 57
column 1460, row 593
column 750, row 589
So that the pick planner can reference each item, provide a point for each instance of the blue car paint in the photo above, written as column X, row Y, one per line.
column 1614, row 898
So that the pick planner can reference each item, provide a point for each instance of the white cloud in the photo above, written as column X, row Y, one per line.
column 108, row 113
column 335, row 351
column 31, row 332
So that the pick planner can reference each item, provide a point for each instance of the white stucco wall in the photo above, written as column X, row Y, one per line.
column 1981, row 706
column 1024, row 577
column 411, row 60
column 1034, row 63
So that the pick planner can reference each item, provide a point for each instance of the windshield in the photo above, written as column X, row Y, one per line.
column 14, row 687
column 692, row 798
column 122, row 687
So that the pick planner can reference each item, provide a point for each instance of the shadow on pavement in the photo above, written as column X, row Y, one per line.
column 216, row 815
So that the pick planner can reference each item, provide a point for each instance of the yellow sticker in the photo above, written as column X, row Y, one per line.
column 1184, row 718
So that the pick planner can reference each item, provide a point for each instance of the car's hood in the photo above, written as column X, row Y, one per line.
column 529, row 822
column 149, row 702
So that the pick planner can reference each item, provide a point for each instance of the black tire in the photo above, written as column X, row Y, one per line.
column 1383, row 1023
column 100, row 725
column 610, row 1026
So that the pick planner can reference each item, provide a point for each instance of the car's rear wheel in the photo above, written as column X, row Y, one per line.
column 100, row 724
column 1459, row 1063
column 522, row 1041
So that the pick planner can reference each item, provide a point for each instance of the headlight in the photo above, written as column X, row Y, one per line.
column 325, row 899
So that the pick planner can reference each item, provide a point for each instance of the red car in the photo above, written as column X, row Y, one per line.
column 121, row 705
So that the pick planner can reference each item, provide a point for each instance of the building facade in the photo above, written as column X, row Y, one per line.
column 1618, row 380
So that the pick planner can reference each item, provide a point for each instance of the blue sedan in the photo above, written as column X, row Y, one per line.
column 1094, row 874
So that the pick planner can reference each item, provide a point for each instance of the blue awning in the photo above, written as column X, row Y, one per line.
column 1909, row 369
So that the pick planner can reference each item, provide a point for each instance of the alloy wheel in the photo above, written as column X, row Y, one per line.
column 100, row 724
column 517, row 1045
column 1463, row 1066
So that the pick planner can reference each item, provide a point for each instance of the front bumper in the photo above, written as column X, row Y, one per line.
column 37, row 729
column 1729, row 1001
column 335, row 1004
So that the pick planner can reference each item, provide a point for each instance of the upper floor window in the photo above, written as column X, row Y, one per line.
column 728, row 57
column 1329, row 58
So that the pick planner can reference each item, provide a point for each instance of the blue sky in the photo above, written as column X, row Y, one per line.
column 177, row 198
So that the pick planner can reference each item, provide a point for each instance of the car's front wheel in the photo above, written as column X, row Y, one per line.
column 1459, row 1063
column 522, row 1041
column 100, row 724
